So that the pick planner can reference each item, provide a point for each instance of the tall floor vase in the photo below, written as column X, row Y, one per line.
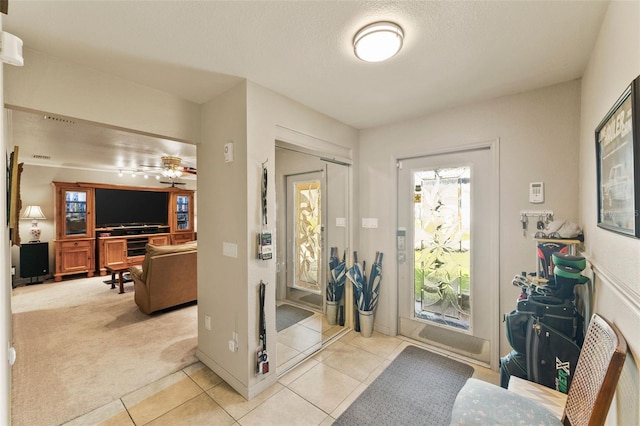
column 366, row 323
column 332, row 312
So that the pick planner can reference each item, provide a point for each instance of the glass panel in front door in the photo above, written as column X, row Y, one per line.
column 442, row 245
column 307, row 233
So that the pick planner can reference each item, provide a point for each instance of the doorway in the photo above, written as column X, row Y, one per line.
column 447, row 240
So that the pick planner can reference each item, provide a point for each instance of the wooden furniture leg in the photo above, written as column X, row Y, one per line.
column 121, row 279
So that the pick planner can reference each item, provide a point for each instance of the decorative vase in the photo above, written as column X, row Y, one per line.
column 366, row 323
column 332, row 312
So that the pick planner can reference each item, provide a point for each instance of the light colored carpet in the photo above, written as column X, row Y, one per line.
column 81, row 345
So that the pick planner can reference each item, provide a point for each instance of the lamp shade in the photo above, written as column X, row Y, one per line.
column 33, row 212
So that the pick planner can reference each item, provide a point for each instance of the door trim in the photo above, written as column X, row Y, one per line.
column 494, row 243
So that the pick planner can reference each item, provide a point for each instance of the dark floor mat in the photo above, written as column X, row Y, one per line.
column 287, row 315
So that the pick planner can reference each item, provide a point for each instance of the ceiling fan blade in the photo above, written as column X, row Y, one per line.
column 173, row 184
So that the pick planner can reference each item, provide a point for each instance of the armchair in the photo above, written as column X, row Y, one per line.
column 167, row 277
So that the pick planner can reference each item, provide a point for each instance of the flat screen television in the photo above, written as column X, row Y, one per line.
column 123, row 207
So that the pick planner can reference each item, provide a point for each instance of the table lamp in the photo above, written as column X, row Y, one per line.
column 34, row 213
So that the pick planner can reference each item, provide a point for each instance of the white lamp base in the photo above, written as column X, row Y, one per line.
column 35, row 234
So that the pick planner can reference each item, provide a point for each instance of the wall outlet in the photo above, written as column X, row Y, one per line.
column 207, row 322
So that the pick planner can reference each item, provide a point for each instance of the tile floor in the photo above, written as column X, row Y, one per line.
column 315, row 392
column 295, row 343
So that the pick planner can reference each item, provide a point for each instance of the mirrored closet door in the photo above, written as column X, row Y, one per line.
column 312, row 212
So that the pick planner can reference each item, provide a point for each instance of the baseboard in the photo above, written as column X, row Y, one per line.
column 239, row 387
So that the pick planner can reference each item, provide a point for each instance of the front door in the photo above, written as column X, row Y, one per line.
column 447, row 246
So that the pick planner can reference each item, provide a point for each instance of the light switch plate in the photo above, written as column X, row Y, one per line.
column 369, row 222
column 228, row 152
column 229, row 249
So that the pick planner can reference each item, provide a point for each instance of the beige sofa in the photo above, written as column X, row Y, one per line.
column 167, row 277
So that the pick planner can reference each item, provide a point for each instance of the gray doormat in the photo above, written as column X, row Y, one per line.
column 465, row 342
column 417, row 388
column 287, row 315
column 314, row 299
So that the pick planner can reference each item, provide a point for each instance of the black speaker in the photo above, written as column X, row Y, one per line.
column 34, row 260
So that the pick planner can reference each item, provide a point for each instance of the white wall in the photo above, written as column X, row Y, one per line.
column 5, row 278
column 538, row 133
column 222, row 280
column 613, row 64
column 249, row 116
column 49, row 84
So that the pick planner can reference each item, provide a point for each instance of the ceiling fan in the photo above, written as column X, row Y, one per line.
column 171, row 169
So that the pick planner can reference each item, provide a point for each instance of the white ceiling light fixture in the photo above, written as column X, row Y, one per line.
column 378, row 41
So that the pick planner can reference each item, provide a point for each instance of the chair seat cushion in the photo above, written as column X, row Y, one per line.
column 481, row 403
column 553, row 400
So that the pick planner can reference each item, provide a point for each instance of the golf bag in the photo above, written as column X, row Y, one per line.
column 557, row 313
column 514, row 364
column 546, row 331
column 545, row 260
column 551, row 357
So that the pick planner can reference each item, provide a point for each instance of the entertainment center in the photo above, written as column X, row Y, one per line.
column 100, row 226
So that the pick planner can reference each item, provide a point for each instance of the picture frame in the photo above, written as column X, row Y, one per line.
column 14, row 202
column 618, row 164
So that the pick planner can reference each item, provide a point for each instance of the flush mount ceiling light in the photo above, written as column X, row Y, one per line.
column 378, row 41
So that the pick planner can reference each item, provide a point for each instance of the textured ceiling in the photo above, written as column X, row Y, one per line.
column 454, row 53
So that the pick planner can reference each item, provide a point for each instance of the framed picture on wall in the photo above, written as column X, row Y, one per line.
column 618, row 164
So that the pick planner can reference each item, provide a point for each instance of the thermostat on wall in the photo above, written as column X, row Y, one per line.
column 536, row 192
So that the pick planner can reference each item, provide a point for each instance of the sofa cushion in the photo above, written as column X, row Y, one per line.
column 154, row 250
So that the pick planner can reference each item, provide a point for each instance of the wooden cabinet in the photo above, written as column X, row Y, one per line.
column 81, row 248
column 112, row 252
column 73, row 217
column 74, row 257
column 182, row 214
column 182, row 238
column 125, row 251
column 159, row 240
column 73, row 211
